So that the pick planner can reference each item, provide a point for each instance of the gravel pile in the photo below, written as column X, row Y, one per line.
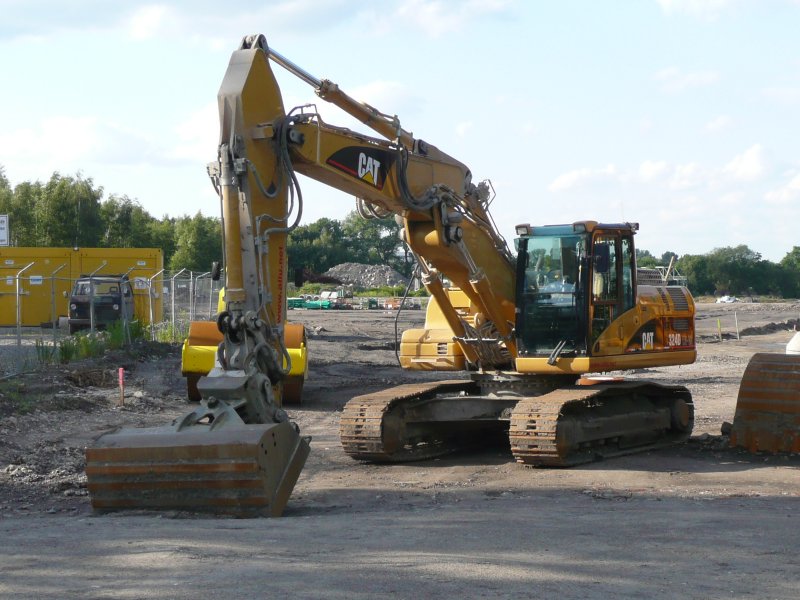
column 366, row 276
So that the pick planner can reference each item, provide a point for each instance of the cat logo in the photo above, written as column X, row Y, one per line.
column 369, row 165
column 647, row 340
column 368, row 168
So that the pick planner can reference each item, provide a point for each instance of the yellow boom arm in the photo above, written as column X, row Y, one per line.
column 445, row 216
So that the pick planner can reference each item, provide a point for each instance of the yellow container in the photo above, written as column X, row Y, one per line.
column 54, row 270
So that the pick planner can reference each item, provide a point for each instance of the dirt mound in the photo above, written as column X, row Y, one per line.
column 366, row 276
column 789, row 325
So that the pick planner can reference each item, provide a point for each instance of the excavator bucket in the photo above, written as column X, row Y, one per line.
column 767, row 414
column 233, row 468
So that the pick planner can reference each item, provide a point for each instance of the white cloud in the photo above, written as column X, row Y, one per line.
column 147, row 21
column 463, row 128
column 529, row 128
column 720, row 123
column 197, row 135
column 64, row 143
column 732, row 199
column 750, row 165
column 707, row 9
column 678, row 209
column 386, row 96
column 783, row 94
column 582, row 177
column 687, row 176
column 787, row 194
column 437, row 17
column 674, row 80
column 651, row 170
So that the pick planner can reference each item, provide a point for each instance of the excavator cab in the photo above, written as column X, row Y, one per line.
column 579, row 308
column 574, row 281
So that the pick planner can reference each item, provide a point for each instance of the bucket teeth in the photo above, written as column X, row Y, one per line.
column 246, row 470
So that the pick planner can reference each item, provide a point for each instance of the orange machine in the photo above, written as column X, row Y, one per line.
column 522, row 331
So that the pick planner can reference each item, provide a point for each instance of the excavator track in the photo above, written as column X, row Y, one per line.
column 581, row 424
column 373, row 428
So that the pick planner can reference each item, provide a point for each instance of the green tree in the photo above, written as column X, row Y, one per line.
column 67, row 212
column 736, row 270
column 318, row 246
column 19, row 206
column 161, row 234
column 667, row 257
column 5, row 187
column 790, row 273
column 695, row 268
column 374, row 241
column 126, row 224
column 645, row 260
column 6, row 193
column 198, row 242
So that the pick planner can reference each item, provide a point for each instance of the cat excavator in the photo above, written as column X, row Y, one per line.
column 524, row 331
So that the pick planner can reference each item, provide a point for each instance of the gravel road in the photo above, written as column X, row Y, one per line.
column 698, row 520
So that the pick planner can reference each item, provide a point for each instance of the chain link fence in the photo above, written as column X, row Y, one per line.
column 34, row 313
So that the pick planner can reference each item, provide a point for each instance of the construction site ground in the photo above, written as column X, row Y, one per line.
column 697, row 520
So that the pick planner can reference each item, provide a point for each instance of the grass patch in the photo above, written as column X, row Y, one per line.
column 16, row 399
column 115, row 335
column 67, row 350
column 45, row 352
column 90, row 345
column 170, row 333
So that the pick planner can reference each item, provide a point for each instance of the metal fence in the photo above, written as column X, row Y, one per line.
column 34, row 312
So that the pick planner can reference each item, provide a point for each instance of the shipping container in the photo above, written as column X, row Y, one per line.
column 42, row 278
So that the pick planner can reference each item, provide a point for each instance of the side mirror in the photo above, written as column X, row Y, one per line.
column 216, row 271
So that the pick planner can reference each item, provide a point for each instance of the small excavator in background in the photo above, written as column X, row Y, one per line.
column 524, row 330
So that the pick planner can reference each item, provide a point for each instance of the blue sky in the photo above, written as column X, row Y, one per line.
column 682, row 115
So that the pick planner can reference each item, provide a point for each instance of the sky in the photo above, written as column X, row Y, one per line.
column 681, row 115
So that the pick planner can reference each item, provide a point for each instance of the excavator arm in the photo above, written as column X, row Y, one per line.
column 445, row 216
column 238, row 452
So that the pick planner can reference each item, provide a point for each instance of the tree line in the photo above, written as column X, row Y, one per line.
column 737, row 270
column 70, row 211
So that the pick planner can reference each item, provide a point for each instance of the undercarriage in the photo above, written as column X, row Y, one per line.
column 547, row 421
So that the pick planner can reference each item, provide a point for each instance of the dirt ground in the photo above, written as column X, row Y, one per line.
column 697, row 520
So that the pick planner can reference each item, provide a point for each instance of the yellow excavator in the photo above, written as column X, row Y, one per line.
column 526, row 329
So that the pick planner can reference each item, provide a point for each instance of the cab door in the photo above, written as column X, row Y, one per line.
column 612, row 282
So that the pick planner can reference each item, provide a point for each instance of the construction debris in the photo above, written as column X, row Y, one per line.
column 363, row 277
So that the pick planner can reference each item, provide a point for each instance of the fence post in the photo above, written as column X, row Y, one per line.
column 126, row 328
column 53, row 315
column 193, row 309
column 19, row 303
column 211, row 299
column 150, row 304
column 91, row 294
column 172, row 293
